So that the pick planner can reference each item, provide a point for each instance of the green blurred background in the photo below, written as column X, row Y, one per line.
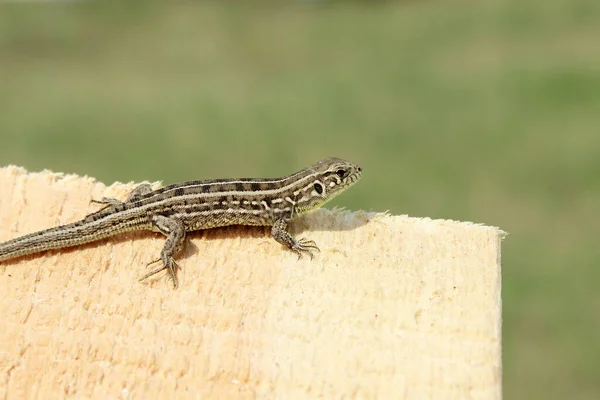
column 477, row 111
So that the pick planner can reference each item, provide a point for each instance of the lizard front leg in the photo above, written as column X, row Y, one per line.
column 174, row 230
column 298, row 246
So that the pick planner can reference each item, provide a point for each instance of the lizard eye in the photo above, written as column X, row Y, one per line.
column 340, row 173
column 318, row 188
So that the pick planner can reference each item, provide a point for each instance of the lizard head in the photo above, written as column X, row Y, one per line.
column 325, row 180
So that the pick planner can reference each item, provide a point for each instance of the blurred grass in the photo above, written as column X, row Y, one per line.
column 469, row 111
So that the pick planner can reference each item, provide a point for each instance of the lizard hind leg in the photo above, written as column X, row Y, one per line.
column 174, row 230
column 138, row 191
column 168, row 263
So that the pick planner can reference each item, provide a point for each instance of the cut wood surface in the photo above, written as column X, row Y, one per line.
column 392, row 307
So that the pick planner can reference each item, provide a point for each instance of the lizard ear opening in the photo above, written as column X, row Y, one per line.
column 318, row 188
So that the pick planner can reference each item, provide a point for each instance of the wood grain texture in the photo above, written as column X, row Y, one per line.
column 392, row 307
